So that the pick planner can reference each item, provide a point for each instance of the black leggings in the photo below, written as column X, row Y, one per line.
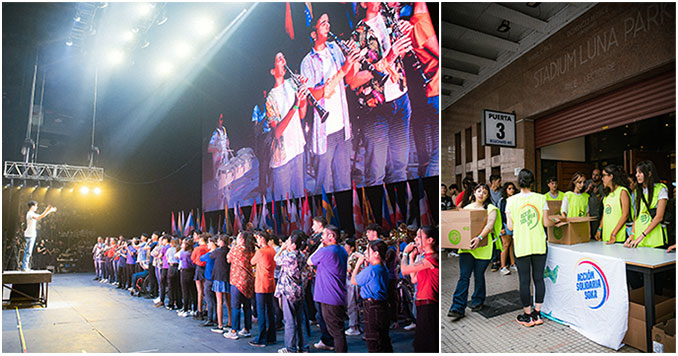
column 536, row 263
column 174, row 286
column 188, row 290
column 163, row 284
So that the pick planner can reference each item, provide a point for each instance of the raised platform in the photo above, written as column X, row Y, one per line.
column 26, row 287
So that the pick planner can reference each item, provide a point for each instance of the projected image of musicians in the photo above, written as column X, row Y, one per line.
column 325, row 66
column 386, row 125
column 219, row 146
column 285, row 106
column 31, row 232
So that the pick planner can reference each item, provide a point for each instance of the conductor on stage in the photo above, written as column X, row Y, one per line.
column 31, row 232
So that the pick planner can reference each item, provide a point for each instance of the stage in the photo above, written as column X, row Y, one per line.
column 86, row 316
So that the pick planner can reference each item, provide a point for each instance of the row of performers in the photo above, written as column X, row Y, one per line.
column 370, row 64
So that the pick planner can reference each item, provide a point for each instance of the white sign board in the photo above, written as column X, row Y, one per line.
column 498, row 129
column 588, row 292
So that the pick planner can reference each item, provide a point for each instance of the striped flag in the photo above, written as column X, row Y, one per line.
column 387, row 215
column 410, row 218
column 293, row 217
column 253, row 214
column 335, row 213
column 367, row 210
column 398, row 213
column 306, row 215
column 173, row 227
column 327, row 206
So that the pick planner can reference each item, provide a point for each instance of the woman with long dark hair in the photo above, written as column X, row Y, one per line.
column 507, row 255
column 616, row 204
column 651, row 198
column 526, row 216
column 476, row 259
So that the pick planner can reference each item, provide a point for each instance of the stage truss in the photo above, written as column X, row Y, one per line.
column 52, row 172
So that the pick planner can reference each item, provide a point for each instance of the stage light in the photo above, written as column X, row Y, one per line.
column 69, row 43
column 84, row 190
column 77, row 19
column 128, row 36
column 97, row 191
column 164, row 68
column 145, row 44
column 144, row 9
column 203, row 26
column 182, row 49
column 115, row 56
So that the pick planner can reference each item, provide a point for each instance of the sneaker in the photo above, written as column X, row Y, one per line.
column 495, row 267
column 536, row 317
column 252, row 343
column 130, row 289
column 231, row 335
column 156, row 300
column 477, row 308
column 514, row 268
column 158, row 304
column 284, row 350
column 455, row 315
column 244, row 333
column 320, row 345
column 525, row 320
column 96, row 279
column 183, row 314
column 452, row 254
column 208, row 324
column 505, row 271
column 352, row 332
column 169, row 307
column 217, row 329
column 412, row 326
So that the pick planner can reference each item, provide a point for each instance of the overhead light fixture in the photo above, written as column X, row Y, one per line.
column 97, row 191
column 145, row 44
column 533, row 4
column 77, row 19
column 69, row 43
column 504, row 27
column 162, row 20
column 84, row 190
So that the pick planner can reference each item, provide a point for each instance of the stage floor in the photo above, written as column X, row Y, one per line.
column 87, row 316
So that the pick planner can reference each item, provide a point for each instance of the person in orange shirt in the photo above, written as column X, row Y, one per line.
column 264, row 286
column 425, row 110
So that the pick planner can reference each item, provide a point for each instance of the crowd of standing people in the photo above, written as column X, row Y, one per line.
column 373, row 285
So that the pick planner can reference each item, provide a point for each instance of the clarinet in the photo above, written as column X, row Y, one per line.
column 381, row 77
column 392, row 23
column 300, row 86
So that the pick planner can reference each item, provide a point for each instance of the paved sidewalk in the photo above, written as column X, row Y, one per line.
column 474, row 333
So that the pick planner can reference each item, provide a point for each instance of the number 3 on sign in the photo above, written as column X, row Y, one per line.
column 500, row 131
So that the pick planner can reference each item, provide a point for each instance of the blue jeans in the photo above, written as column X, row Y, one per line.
column 387, row 146
column 28, row 251
column 334, row 165
column 265, row 318
column 467, row 265
column 289, row 178
column 238, row 303
column 211, row 299
column 352, row 304
column 295, row 338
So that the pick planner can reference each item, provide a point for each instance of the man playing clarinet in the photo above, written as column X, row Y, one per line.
column 325, row 66
column 285, row 106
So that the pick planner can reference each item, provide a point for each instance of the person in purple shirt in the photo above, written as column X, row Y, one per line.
column 164, row 241
column 330, row 285
column 131, row 263
column 186, row 272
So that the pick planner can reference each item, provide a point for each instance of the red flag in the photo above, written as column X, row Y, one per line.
column 173, row 226
column 357, row 212
column 236, row 219
column 253, row 213
column 228, row 229
column 306, row 213
column 203, row 227
column 289, row 27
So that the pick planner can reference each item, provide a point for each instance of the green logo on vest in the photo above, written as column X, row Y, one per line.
column 529, row 216
column 557, row 232
column 608, row 209
column 455, row 237
column 644, row 218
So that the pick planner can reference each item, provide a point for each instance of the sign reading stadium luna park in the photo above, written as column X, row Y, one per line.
column 498, row 128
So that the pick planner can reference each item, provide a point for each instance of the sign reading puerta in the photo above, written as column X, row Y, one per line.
column 586, row 291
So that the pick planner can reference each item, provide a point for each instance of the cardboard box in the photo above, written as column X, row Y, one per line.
column 458, row 227
column 664, row 337
column 554, row 206
column 664, row 309
column 571, row 231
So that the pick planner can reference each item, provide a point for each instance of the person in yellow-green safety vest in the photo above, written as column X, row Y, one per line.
column 651, row 198
column 576, row 202
column 554, row 193
column 476, row 259
column 526, row 216
column 616, row 203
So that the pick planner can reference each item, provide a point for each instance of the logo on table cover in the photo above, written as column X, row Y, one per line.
column 529, row 215
column 551, row 274
column 455, row 237
column 591, row 283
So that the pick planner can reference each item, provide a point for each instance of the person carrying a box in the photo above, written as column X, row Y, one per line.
column 526, row 216
column 615, row 206
column 576, row 201
column 477, row 258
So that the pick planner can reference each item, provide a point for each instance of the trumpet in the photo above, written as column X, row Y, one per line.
column 391, row 16
column 311, row 99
